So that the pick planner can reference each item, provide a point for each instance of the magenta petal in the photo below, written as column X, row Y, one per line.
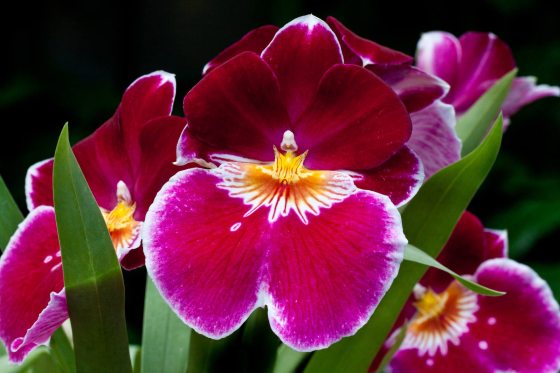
column 365, row 52
column 31, row 285
column 254, row 41
column 415, row 88
column 300, row 53
column 355, row 121
column 38, row 185
column 484, row 59
column 522, row 328
column 525, row 90
column 327, row 277
column 439, row 54
column 399, row 178
column 206, row 263
column 237, row 107
column 434, row 138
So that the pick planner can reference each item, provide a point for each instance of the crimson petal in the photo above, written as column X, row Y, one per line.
column 399, row 178
column 254, row 41
column 31, row 285
column 358, row 50
column 300, row 53
column 237, row 107
column 346, row 124
column 415, row 88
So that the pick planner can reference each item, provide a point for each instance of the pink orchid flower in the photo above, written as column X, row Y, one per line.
column 452, row 329
column 473, row 63
column 125, row 163
column 287, row 215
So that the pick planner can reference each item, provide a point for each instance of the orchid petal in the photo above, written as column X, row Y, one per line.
column 415, row 88
column 237, row 107
column 327, row 277
column 358, row 50
column 31, row 285
column 439, row 53
column 524, row 91
column 345, row 126
column 254, row 41
column 299, row 54
column 434, row 138
column 399, row 178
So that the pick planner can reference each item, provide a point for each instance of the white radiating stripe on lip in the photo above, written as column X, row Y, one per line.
column 313, row 191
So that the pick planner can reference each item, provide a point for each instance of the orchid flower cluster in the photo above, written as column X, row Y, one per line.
column 281, row 187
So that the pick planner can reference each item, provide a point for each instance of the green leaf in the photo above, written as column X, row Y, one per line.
column 165, row 338
column 210, row 355
column 92, row 274
column 135, row 353
column 475, row 123
column 394, row 348
column 416, row 255
column 427, row 221
column 288, row 360
column 62, row 351
column 259, row 344
column 10, row 216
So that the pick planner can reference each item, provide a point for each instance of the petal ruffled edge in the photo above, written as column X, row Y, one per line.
column 50, row 319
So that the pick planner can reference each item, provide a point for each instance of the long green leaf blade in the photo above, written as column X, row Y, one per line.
column 428, row 221
column 62, row 351
column 475, row 123
column 416, row 255
column 165, row 338
column 10, row 216
column 92, row 275
column 287, row 360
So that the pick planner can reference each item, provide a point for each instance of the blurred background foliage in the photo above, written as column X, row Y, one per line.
column 72, row 60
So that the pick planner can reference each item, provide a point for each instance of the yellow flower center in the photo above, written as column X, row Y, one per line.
column 284, row 185
column 124, row 230
column 441, row 318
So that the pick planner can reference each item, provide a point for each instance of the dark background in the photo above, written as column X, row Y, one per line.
column 71, row 61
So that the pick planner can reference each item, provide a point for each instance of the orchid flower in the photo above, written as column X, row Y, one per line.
column 287, row 214
column 471, row 64
column 452, row 329
column 125, row 162
column 433, row 136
